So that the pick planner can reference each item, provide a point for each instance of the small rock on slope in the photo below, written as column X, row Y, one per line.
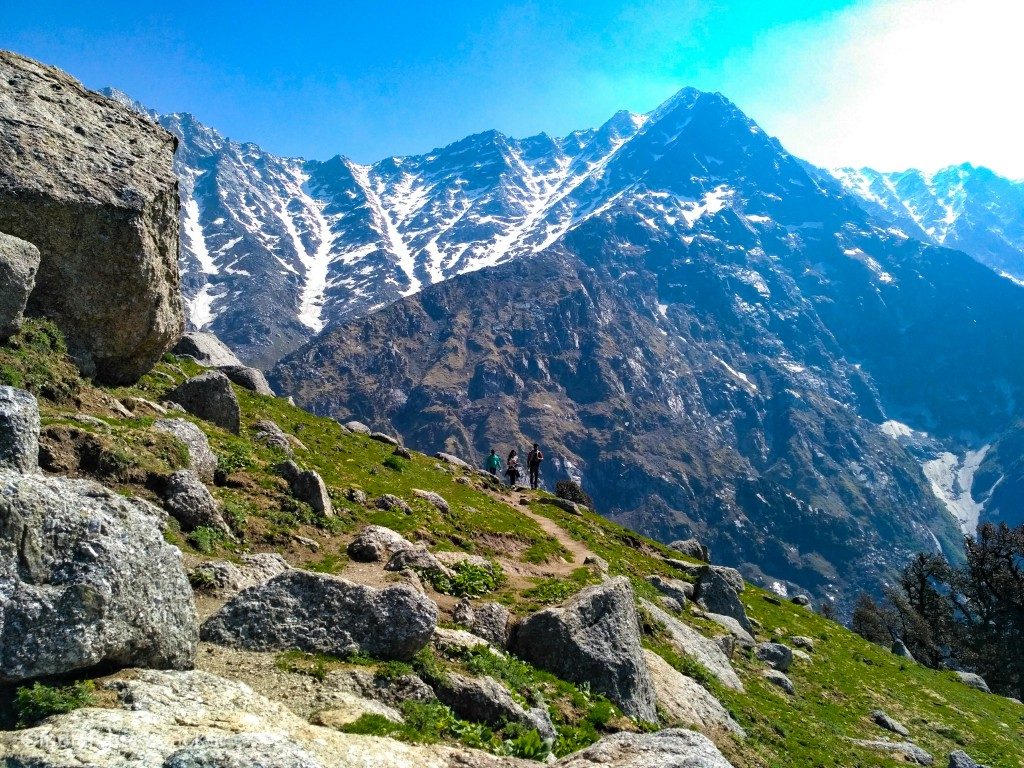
column 882, row 720
column 375, row 543
column 201, row 458
column 307, row 485
column 206, row 349
column 684, row 700
column 191, row 504
column 210, row 397
column 248, row 378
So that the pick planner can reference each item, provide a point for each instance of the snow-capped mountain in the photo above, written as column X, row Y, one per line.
column 965, row 207
column 717, row 341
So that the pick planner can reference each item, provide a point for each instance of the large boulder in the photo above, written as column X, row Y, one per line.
column 670, row 748
column 206, row 349
column 485, row 700
column 973, row 680
column 960, row 759
column 307, row 485
column 191, row 504
column 319, row 613
column 248, row 378
column 719, row 595
column 375, row 543
column 87, row 581
column 594, row 638
column 775, row 655
column 224, row 578
column 89, row 182
column 684, row 701
column 210, row 397
column 492, row 622
column 201, row 458
column 687, row 641
column 19, row 262
column 692, row 548
column 19, row 430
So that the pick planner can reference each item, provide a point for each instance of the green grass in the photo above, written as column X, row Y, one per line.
column 37, row 702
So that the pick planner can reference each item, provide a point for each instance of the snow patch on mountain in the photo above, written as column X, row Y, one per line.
column 951, row 477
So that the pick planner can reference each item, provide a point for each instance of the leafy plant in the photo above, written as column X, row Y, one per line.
column 528, row 745
column 206, row 539
column 38, row 702
column 468, row 579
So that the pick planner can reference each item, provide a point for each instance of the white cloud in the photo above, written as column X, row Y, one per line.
column 922, row 83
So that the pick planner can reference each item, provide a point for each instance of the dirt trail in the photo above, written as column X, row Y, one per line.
column 578, row 549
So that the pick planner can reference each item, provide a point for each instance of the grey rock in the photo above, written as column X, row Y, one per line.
column 434, row 498
column 692, row 548
column 19, row 430
column 800, row 641
column 777, row 678
column 19, row 262
column 418, row 559
column 802, row 600
column 677, row 589
column 883, row 720
column 243, row 750
column 670, row 748
column 685, row 701
column 598, row 562
column 775, row 655
column 201, row 459
column 89, row 182
column 593, row 638
column 687, row 641
column 743, row 638
column 455, row 559
column 356, row 495
column 960, row 759
column 973, row 680
column 492, row 622
column 206, row 349
column 463, row 612
column 401, row 452
column 455, row 642
column 906, row 750
column 380, row 437
column 266, row 432
column 210, row 397
column 375, row 543
column 455, row 461
column 564, row 504
column 391, row 502
column 358, row 427
column 307, row 485
column 485, row 700
column 391, row 691
column 224, row 578
column 900, row 649
column 191, row 504
column 319, row 613
column 718, row 594
column 670, row 604
column 248, row 378
column 87, row 580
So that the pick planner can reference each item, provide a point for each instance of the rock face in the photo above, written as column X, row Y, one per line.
column 19, row 430
column 89, row 183
column 87, row 580
column 19, row 262
column 318, row 613
column 671, row 748
column 210, row 397
column 593, row 638
column 684, row 700
column 207, row 350
column 375, row 543
column 689, row 642
column 307, row 485
column 715, row 591
column 677, row 589
column 201, row 459
column 191, row 504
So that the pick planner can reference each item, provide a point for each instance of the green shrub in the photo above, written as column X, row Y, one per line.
column 38, row 702
column 392, row 670
column 528, row 745
column 395, row 463
column 468, row 579
column 206, row 539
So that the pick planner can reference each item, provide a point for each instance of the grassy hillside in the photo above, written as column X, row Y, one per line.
column 844, row 680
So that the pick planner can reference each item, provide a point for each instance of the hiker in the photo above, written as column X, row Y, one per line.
column 533, row 460
column 512, row 471
column 493, row 463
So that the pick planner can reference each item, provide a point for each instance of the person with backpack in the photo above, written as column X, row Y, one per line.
column 493, row 463
column 512, row 470
column 533, row 460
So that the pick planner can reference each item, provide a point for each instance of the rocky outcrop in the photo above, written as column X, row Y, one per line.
column 210, row 397
column 689, row 642
column 194, row 719
column 671, row 748
column 375, row 543
column 418, row 559
column 318, row 613
column 19, row 430
column 87, row 580
column 191, row 504
column 201, row 459
column 684, row 701
column 89, row 183
column 206, row 349
column 676, row 589
column 19, row 262
column 306, row 485
column 594, row 638
column 492, row 622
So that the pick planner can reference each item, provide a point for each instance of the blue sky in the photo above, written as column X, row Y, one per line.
column 892, row 83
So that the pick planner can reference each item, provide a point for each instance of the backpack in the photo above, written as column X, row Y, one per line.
column 535, row 458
